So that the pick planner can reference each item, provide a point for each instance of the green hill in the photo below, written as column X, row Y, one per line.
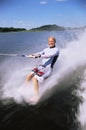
column 48, row 28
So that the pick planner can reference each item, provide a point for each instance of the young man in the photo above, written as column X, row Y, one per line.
column 49, row 56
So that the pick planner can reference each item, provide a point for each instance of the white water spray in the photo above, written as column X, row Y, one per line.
column 70, row 58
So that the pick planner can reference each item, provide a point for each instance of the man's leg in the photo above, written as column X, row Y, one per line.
column 36, row 86
column 29, row 77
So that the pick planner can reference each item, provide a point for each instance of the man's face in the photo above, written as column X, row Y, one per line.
column 51, row 42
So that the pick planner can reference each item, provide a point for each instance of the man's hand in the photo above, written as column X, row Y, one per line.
column 31, row 56
column 34, row 56
column 37, row 56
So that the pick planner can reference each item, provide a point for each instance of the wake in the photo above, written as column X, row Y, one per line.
column 13, row 80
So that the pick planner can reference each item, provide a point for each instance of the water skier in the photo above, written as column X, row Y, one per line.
column 41, row 72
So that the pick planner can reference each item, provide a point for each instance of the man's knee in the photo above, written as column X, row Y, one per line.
column 29, row 77
column 34, row 78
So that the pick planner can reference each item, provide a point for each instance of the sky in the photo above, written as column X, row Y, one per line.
column 34, row 13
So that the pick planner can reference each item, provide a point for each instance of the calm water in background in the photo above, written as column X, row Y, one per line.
column 24, row 41
column 59, row 110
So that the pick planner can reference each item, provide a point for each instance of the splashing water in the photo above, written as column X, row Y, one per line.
column 13, row 86
column 82, row 107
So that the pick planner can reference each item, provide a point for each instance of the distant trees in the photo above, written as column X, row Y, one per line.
column 11, row 29
column 41, row 28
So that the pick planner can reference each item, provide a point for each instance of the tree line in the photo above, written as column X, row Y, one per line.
column 11, row 29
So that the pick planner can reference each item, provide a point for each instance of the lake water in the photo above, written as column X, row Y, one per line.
column 62, row 100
